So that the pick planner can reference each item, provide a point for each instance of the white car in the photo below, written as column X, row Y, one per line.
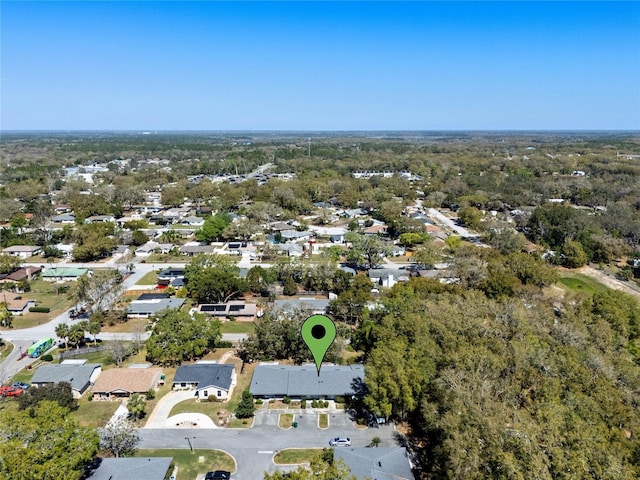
column 340, row 442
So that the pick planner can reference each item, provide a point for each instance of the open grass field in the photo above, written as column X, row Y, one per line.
column 578, row 282
column 46, row 295
column 189, row 463
column 294, row 456
column 150, row 278
column 237, row 327
column 94, row 414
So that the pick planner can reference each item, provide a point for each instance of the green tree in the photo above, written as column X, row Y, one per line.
column 62, row 332
column 289, row 287
column 470, row 216
column 213, row 227
column 177, row 336
column 246, row 407
column 366, row 250
column 8, row 263
column 574, row 254
column 137, row 405
column 213, row 279
column 60, row 393
column 44, row 443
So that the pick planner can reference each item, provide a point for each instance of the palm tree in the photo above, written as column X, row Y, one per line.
column 62, row 331
column 94, row 328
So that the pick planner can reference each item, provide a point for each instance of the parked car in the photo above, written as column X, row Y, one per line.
column 218, row 475
column 10, row 391
column 21, row 385
column 340, row 442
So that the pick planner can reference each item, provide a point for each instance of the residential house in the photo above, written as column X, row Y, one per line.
column 127, row 468
column 100, row 219
column 63, row 219
column 121, row 383
column 312, row 306
column 193, row 221
column 291, row 249
column 148, row 248
column 64, row 274
column 236, row 310
column 295, row 236
column 296, row 381
column 193, row 250
column 207, row 379
column 22, row 251
column 147, row 305
column 79, row 374
column 382, row 463
column 16, row 303
column 168, row 275
column 22, row 273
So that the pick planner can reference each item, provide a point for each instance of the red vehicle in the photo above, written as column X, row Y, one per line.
column 10, row 391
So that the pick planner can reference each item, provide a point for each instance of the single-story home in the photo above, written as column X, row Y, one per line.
column 238, row 310
column 292, row 249
column 148, row 248
column 100, row 219
column 310, row 305
column 80, row 375
column 382, row 463
column 148, row 305
column 63, row 219
column 119, row 383
column 295, row 236
column 63, row 274
column 23, row 273
column 16, row 303
column 22, row 251
column 192, row 250
column 168, row 275
column 207, row 379
column 127, row 468
column 193, row 221
column 296, row 381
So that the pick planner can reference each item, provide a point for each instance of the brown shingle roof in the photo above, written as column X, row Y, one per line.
column 131, row 380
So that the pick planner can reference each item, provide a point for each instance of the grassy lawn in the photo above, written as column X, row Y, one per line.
column 240, row 423
column 94, row 414
column 5, row 349
column 285, row 420
column 294, row 456
column 150, row 278
column 581, row 283
column 323, row 420
column 45, row 295
column 131, row 325
column 189, row 464
column 237, row 327
column 23, row 375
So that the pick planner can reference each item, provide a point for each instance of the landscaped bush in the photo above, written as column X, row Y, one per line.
column 286, row 400
column 259, row 401
column 151, row 394
column 340, row 399
column 224, row 344
column 39, row 309
column 47, row 358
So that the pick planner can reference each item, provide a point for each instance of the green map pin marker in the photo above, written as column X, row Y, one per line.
column 318, row 332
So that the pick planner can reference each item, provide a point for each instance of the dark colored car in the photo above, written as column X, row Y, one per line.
column 218, row 475
column 21, row 385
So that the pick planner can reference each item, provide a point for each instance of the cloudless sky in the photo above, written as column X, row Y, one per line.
column 319, row 66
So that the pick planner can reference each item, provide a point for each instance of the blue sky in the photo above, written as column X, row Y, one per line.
column 319, row 66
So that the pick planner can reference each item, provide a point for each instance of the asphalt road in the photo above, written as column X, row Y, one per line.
column 254, row 448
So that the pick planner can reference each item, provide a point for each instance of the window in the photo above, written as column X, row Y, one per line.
column 219, row 393
column 206, row 393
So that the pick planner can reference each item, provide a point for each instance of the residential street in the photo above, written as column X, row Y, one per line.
column 253, row 448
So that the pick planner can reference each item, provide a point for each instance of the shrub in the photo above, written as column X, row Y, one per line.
column 47, row 358
column 151, row 394
column 224, row 344
column 259, row 401
column 286, row 400
column 340, row 399
column 39, row 309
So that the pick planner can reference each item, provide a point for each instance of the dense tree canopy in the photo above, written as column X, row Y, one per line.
column 177, row 336
column 44, row 444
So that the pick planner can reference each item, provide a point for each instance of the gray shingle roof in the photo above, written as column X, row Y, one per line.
column 299, row 381
column 205, row 375
column 382, row 463
column 143, row 468
column 151, row 307
column 311, row 304
column 77, row 375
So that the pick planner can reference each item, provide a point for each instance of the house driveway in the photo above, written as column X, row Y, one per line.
column 159, row 418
